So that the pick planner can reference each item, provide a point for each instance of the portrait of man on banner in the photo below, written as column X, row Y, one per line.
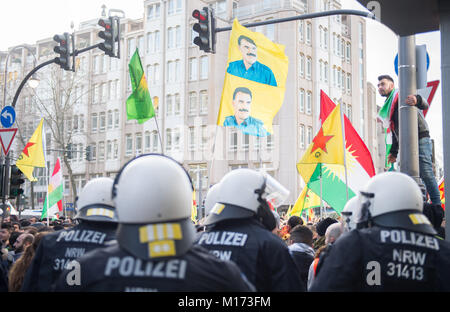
column 254, row 85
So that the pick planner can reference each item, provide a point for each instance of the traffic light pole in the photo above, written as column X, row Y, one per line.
column 304, row 16
column 5, row 184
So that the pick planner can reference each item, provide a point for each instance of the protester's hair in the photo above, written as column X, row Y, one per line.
column 30, row 229
column 14, row 218
column 19, row 268
column 293, row 221
column 385, row 77
column 28, row 238
column 242, row 90
column 242, row 37
column 14, row 223
column 45, row 229
column 333, row 231
column 301, row 234
column 7, row 226
column 24, row 223
column 13, row 237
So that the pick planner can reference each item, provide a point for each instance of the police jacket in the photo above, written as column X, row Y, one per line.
column 57, row 249
column 385, row 259
column 114, row 269
column 262, row 256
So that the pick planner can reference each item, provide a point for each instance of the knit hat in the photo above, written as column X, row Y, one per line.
column 323, row 225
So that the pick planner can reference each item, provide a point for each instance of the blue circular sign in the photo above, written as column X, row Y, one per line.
column 8, row 116
column 396, row 63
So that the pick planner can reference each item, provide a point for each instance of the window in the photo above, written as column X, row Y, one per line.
column 116, row 149
column 308, row 68
column 168, row 140
column 349, row 84
column 81, row 123
column 102, row 121
column 101, row 151
column 94, row 151
column 147, row 139
column 94, row 121
column 325, row 73
column 270, row 31
column 204, row 68
column 155, row 140
column 191, row 144
column 178, row 36
column 116, row 118
column 302, row 136
column 302, row 65
column 157, row 42
column 321, row 70
column 245, row 141
column 96, row 64
column 301, row 100
column 349, row 112
column 140, row 45
column 170, row 38
column 138, row 143
column 348, row 51
column 176, row 139
column 110, row 120
column 192, row 103
column 205, row 137
column 233, row 140
column 171, row 7
column 301, row 31
column 156, row 68
column 325, row 39
column 308, row 33
column 177, row 104
column 169, row 105
column 203, row 102
column 269, row 142
column 128, row 145
column 308, row 103
column 177, row 70
column 96, row 95
column 108, row 150
column 309, row 135
column 150, row 42
column 193, row 69
column 131, row 46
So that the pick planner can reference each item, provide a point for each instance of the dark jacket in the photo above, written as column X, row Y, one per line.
column 262, row 256
column 385, row 260
column 423, row 129
column 57, row 249
column 113, row 269
column 303, row 256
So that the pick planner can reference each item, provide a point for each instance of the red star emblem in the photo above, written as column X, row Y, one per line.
column 320, row 141
column 25, row 149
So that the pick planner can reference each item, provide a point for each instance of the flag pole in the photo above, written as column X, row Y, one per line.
column 345, row 149
column 321, row 202
column 212, row 158
column 48, row 183
column 159, row 134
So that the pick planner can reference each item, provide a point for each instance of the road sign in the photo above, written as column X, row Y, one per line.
column 8, row 116
column 428, row 93
column 396, row 63
column 6, row 138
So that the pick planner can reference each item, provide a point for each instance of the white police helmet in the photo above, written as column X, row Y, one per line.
column 243, row 192
column 153, row 196
column 349, row 212
column 95, row 202
column 393, row 199
column 212, row 197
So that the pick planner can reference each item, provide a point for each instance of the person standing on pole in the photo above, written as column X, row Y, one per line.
column 390, row 107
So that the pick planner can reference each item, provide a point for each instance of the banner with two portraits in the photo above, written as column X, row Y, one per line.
column 255, row 82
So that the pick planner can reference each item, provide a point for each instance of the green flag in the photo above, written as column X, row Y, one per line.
column 139, row 103
column 384, row 117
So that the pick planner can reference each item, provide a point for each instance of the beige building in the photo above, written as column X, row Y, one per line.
column 325, row 53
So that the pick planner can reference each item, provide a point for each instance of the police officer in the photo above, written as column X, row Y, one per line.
column 96, row 228
column 239, row 229
column 155, row 235
column 348, row 214
column 396, row 252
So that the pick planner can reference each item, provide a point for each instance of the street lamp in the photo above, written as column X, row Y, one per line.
column 34, row 80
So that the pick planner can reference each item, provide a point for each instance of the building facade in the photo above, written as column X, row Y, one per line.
column 326, row 54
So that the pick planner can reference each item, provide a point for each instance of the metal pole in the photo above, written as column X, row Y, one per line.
column 407, row 115
column 444, row 19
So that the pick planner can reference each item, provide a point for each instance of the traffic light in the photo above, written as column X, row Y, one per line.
column 88, row 153
column 69, row 151
column 109, row 35
column 63, row 50
column 206, row 29
column 15, row 182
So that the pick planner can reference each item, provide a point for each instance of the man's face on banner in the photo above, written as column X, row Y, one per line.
column 241, row 105
column 248, row 51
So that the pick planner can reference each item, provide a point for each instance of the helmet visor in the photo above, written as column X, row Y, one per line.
column 364, row 202
column 276, row 193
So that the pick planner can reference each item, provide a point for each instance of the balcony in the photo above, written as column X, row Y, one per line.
column 268, row 6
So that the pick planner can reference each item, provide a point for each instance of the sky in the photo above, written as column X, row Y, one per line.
column 26, row 21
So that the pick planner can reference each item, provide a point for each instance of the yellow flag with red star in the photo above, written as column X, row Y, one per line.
column 327, row 146
column 33, row 154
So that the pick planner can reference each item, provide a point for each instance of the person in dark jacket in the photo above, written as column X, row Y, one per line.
column 155, row 248
column 239, row 229
column 98, row 223
column 397, row 251
column 300, row 248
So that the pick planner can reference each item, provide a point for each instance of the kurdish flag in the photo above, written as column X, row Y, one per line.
column 55, row 192
column 384, row 115
column 33, row 154
column 139, row 103
column 307, row 199
column 194, row 208
column 358, row 159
